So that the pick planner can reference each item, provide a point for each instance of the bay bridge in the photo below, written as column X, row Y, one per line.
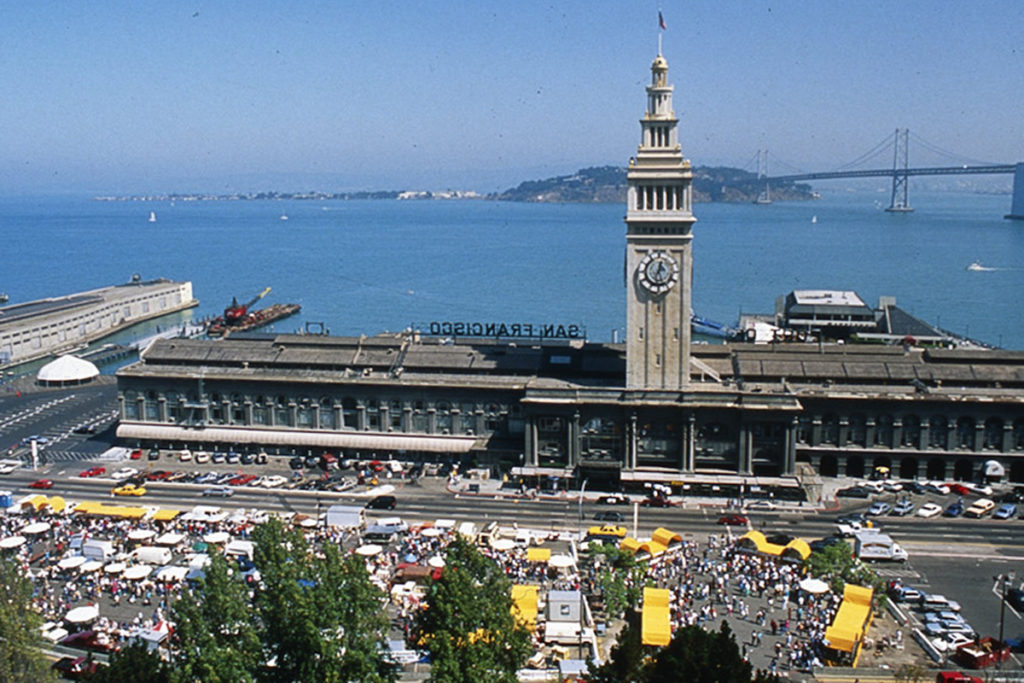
column 900, row 172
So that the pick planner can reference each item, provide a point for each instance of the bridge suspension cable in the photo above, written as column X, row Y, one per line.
column 883, row 147
column 777, row 162
column 956, row 158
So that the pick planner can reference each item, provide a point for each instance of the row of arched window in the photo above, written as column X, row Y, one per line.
column 912, row 431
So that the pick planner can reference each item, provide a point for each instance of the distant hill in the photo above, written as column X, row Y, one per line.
column 608, row 184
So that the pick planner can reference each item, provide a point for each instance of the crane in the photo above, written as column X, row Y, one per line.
column 236, row 312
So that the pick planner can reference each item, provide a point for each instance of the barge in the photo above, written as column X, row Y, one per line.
column 252, row 320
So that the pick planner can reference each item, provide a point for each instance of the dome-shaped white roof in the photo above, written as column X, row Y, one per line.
column 67, row 369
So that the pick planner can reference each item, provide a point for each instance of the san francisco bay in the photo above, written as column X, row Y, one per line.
column 363, row 267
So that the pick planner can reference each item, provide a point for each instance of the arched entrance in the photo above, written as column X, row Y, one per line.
column 854, row 466
column 882, row 461
column 936, row 468
column 1017, row 470
column 828, row 466
column 908, row 468
column 963, row 470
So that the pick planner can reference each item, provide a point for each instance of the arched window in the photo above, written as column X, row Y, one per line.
column 304, row 413
column 830, row 429
column 443, row 417
column 965, row 433
column 372, row 415
column 467, row 418
column 911, row 431
column 938, row 432
column 259, row 410
column 993, row 434
column 173, row 407
column 349, row 413
column 858, row 429
column 131, row 405
column 282, row 412
column 883, row 431
column 326, row 413
column 238, row 416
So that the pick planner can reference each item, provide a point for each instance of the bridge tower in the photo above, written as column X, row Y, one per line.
column 659, row 256
column 765, row 196
column 900, row 163
column 1017, row 207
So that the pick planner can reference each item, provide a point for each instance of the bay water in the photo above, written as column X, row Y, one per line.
column 363, row 267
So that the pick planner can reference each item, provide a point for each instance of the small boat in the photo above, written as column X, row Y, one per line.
column 284, row 216
column 814, row 219
column 152, row 216
column 976, row 267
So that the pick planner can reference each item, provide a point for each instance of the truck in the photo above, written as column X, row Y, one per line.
column 982, row 652
column 871, row 546
column 346, row 516
column 851, row 529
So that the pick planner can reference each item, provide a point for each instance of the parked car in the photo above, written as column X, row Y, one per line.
column 981, row 489
column 879, row 508
column 233, row 457
column 980, row 508
column 76, row 668
column 936, row 487
column 907, row 594
column 261, row 458
column 733, row 520
column 154, row 454
column 382, row 503
column 91, row 640
column 219, row 457
column 913, row 487
column 656, row 502
column 954, row 509
column 158, row 475
column 124, row 473
column 852, row 518
column 929, row 510
column 248, row 458
column 959, row 489
column 202, row 457
column 822, row 543
column 903, row 507
column 892, row 486
column 296, row 463
column 242, row 480
column 207, row 478
column 136, row 454
column 221, row 491
column 1005, row 511
column 854, row 492
column 41, row 484
column 185, row 455
column 85, row 429
column 93, row 471
column 760, row 505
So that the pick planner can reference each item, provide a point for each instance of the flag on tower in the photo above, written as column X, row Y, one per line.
column 661, row 21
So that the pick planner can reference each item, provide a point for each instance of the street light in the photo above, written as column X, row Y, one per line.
column 579, row 523
column 1003, row 579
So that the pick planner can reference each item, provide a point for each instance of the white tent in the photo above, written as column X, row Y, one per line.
column 67, row 370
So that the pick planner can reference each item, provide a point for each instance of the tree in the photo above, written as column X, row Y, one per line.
column 837, row 564
column 134, row 663
column 320, row 617
column 621, row 578
column 21, row 657
column 467, row 625
column 215, row 638
column 627, row 658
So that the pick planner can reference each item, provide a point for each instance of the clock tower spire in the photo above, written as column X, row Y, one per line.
column 659, row 257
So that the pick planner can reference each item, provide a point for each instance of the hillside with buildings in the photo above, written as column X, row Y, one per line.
column 608, row 184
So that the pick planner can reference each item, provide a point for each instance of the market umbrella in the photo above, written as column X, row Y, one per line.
column 170, row 538
column 172, row 574
column 71, row 562
column 36, row 528
column 138, row 571
column 141, row 534
column 436, row 561
column 431, row 531
column 410, row 558
column 308, row 523
column 369, row 550
column 114, row 568
column 12, row 542
column 90, row 566
column 816, row 586
column 217, row 537
column 560, row 561
column 503, row 544
column 82, row 615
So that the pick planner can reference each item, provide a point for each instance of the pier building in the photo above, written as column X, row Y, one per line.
column 654, row 409
column 47, row 327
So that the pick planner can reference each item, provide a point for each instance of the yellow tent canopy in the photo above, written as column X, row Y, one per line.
column 524, row 605
column 665, row 537
column 629, row 544
column 852, row 620
column 538, row 554
column 653, row 548
column 656, row 628
column 755, row 540
column 165, row 515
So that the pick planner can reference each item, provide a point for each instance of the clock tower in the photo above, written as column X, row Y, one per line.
column 659, row 260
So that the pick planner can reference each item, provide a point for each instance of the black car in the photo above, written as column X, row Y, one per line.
column 854, row 492
column 851, row 518
column 913, row 487
column 779, row 538
column 609, row 516
column 296, row 463
column 822, row 543
column 248, row 458
column 1011, row 497
column 154, row 454
column 312, row 461
column 85, row 429
column 382, row 503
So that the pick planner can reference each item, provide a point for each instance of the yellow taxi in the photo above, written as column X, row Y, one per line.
column 129, row 490
column 607, row 531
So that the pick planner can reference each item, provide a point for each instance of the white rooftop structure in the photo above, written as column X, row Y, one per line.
column 67, row 370
column 827, row 297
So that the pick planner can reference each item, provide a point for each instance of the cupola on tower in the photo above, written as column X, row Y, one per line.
column 659, row 260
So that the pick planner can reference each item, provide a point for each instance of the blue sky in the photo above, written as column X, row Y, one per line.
column 218, row 96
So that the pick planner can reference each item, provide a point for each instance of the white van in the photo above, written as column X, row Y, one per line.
column 151, row 554
column 98, row 549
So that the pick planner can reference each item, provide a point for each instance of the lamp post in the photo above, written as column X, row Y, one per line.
column 579, row 521
column 1003, row 579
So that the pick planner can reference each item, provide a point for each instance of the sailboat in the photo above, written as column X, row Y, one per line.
column 814, row 219
column 284, row 216
column 152, row 216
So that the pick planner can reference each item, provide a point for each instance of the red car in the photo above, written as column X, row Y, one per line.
column 159, row 475
column 76, row 668
column 657, row 502
column 959, row 489
column 136, row 454
column 91, row 640
column 242, row 479
column 41, row 484
column 93, row 471
column 733, row 520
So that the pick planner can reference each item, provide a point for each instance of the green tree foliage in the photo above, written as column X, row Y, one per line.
column 20, row 638
column 468, row 625
column 215, row 639
column 837, row 565
column 694, row 655
column 134, row 663
column 321, row 618
column 620, row 577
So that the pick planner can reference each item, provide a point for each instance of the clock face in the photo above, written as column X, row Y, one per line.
column 658, row 272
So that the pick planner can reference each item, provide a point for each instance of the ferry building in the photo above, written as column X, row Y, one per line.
column 653, row 409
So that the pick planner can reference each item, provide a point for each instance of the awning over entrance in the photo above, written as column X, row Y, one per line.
column 297, row 437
